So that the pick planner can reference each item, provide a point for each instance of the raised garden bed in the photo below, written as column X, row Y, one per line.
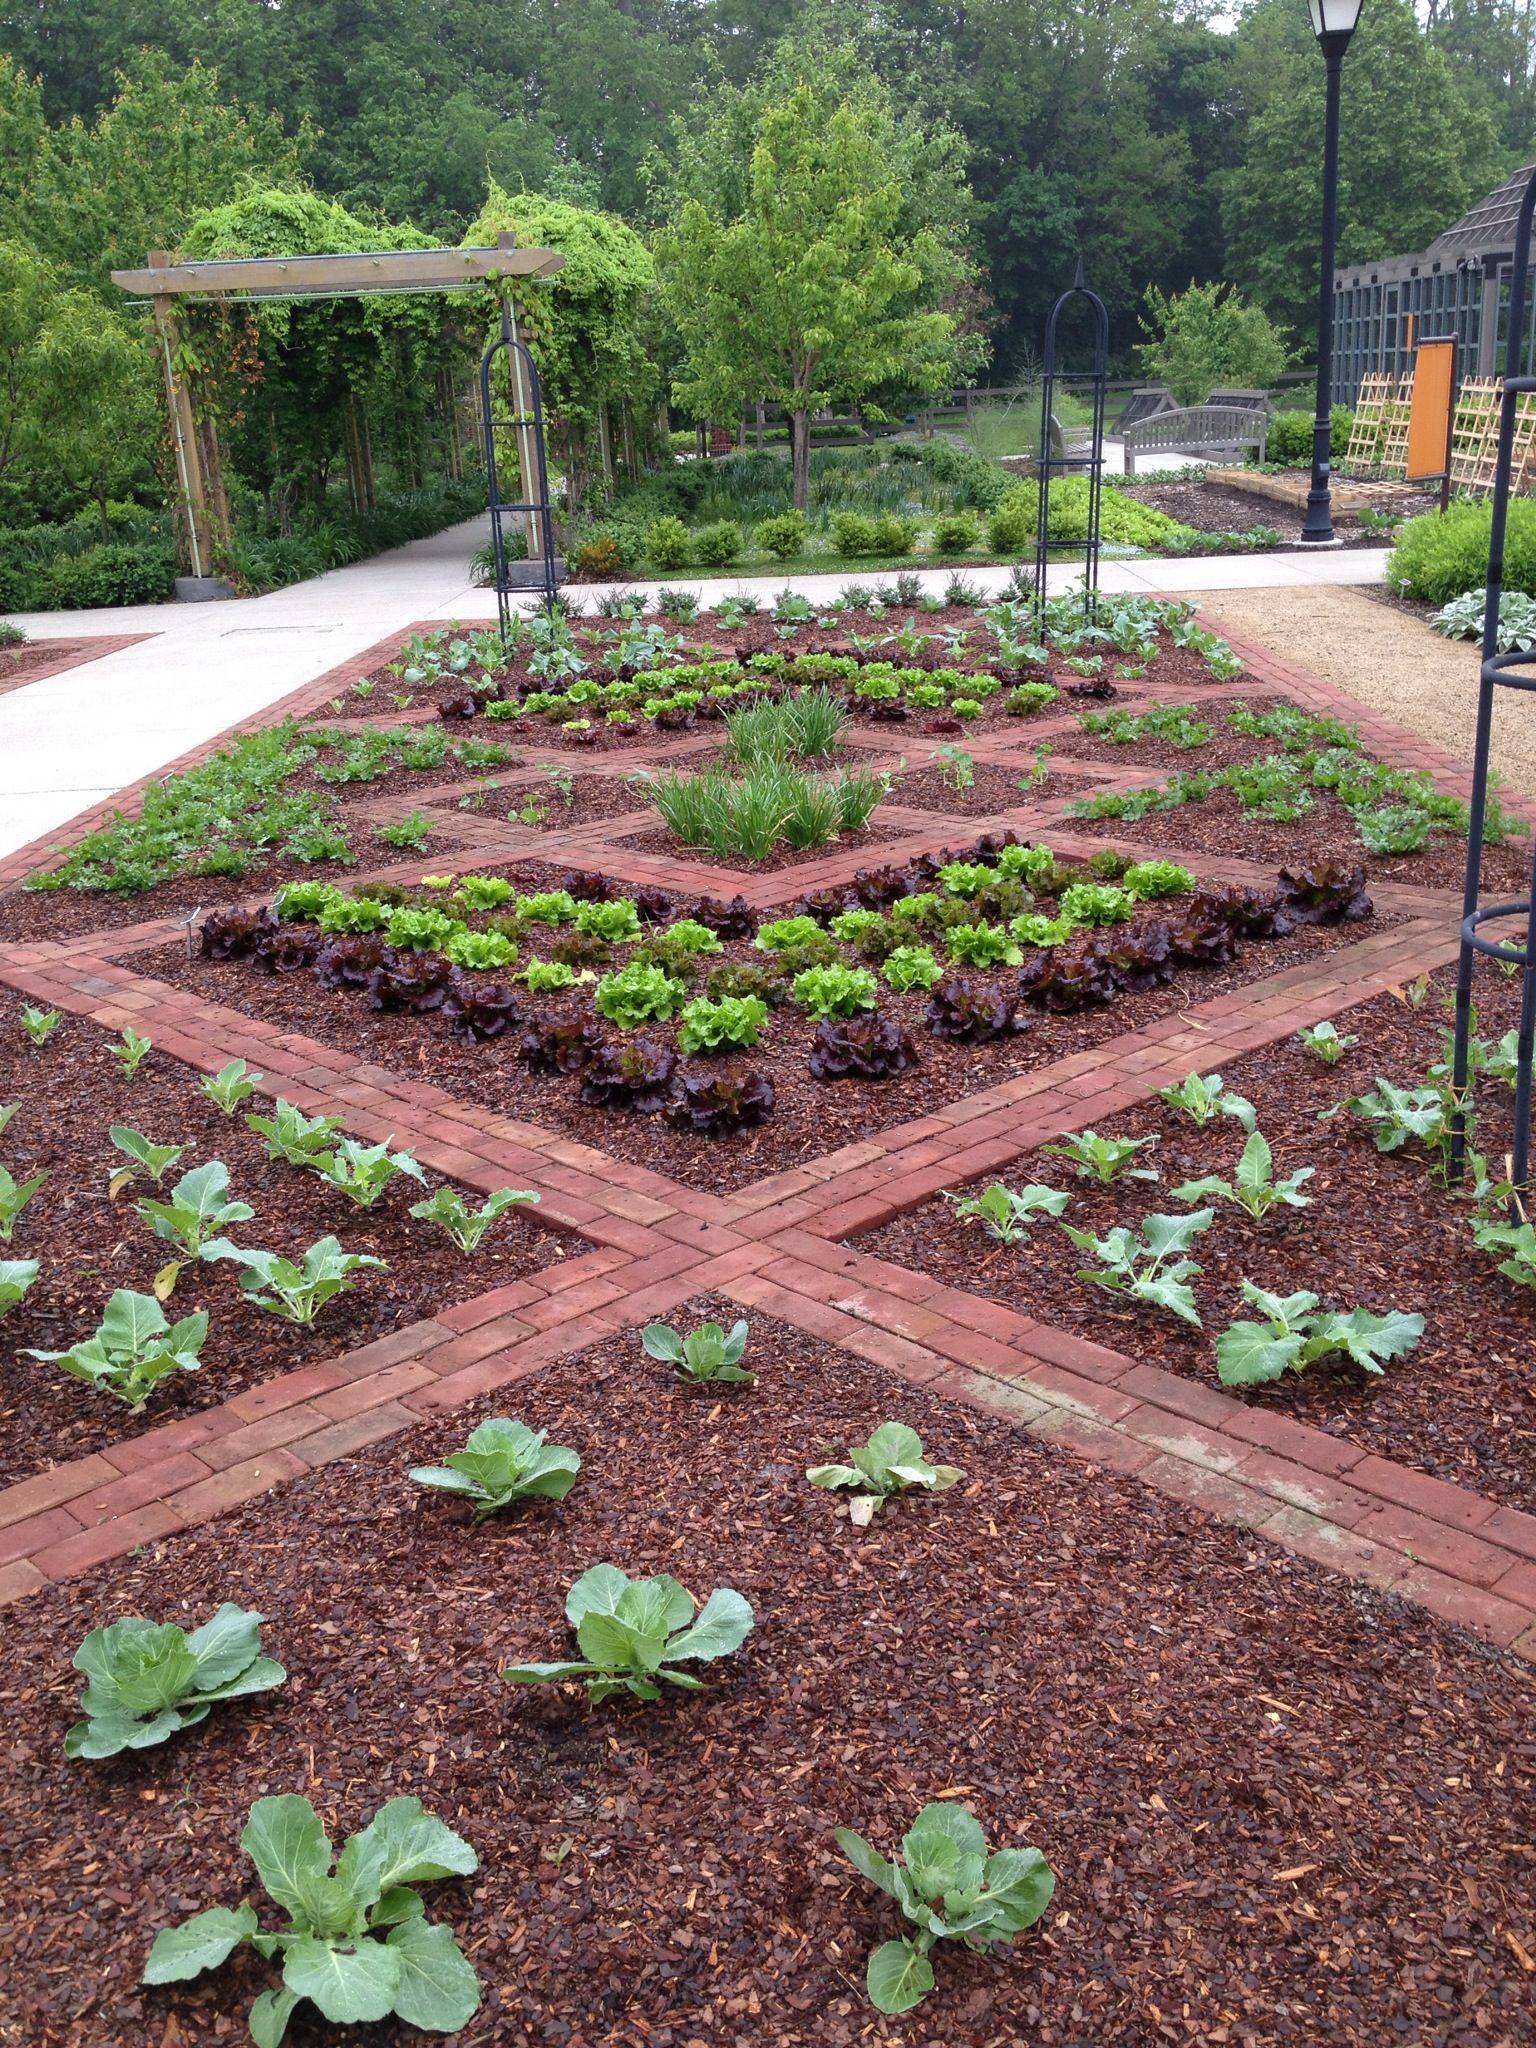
column 1204, row 1735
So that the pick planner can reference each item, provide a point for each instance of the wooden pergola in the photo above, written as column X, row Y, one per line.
column 167, row 285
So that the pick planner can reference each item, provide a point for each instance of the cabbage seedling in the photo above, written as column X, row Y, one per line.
column 1007, row 1213
column 134, row 1348
column 466, row 1226
column 293, row 1136
column 14, row 1197
column 1296, row 1332
column 1255, row 1188
column 1102, row 1159
column 145, row 1681
column 143, row 1156
column 357, row 1944
column 40, row 1025
column 707, row 1356
column 296, row 1292
column 16, row 1276
column 233, row 1084
column 1326, row 1043
column 503, row 1462
column 1202, row 1097
column 362, row 1172
column 632, row 1632
column 195, row 1212
column 130, row 1051
column 891, row 1461
column 1148, row 1266
column 951, row 1890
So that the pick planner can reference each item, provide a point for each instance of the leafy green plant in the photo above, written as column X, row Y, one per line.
column 40, row 1025
column 640, row 993
column 1150, row 1264
column 291, row 1135
column 1203, row 1097
column 1326, row 1043
column 891, row 1461
column 732, row 1023
column 1255, row 1188
column 411, row 833
column 1295, row 1331
column 835, row 991
column 781, row 934
column 16, row 1277
column 982, row 945
column 1007, row 1213
column 296, row 1291
column 147, row 1681
column 911, row 967
column 362, row 1172
column 480, row 952
column 503, row 1462
column 14, row 1197
column 1096, row 903
column 144, row 1156
column 616, row 923
column 357, row 1944
column 197, row 1209
column 131, row 1051
column 1102, row 1159
column 232, row 1085
column 133, row 1348
column 950, row 1888
column 447, row 1208
column 7, row 1111
column 707, row 1356
column 1150, row 880
column 1398, row 1115
column 633, row 1633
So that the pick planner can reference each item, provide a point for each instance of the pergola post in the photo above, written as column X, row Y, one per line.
column 196, row 516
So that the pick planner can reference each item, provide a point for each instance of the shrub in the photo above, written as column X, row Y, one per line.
column 783, row 535
column 894, row 535
column 717, row 546
column 1290, row 437
column 1011, row 527
column 667, row 542
column 1441, row 554
column 853, row 534
column 601, row 558
column 956, row 534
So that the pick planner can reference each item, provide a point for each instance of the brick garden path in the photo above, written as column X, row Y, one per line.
column 651, row 1243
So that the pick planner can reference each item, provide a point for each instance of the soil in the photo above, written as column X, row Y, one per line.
column 1223, row 749
column 593, row 800
column 38, row 659
column 1281, row 1808
column 1379, row 1233
column 1218, row 508
column 992, row 789
column 809, row 1117
column 89, row 1244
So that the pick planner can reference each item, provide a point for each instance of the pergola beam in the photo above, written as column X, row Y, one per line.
column 336, row 277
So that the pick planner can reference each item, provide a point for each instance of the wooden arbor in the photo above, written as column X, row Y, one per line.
column 166, row 285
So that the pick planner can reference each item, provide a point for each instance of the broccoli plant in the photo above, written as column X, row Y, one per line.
column 362, row 1172
column 1326, row 1043
column 466, row 1226
column 133, row 1349
column 357, row 1944
column 950, row 1889
column 232, row 1085
column 1205, row 1097
column 296, row 1291
column 145, row 1681
column 706, row 1357
column 144, row 1156
column 1296, row 1331
column 1255, row 1188
column 293, row 1136
column 1398, row 1115
column 1007, row 1213
column 1149, row 1265
column 16, row 1276
column 502, row 1462
column 195, row 1213
column 632, row 1632
column 891, row 1461
column 1103, row 1159
column 14, row 1197
column 40, row 1025
column 130, row 1051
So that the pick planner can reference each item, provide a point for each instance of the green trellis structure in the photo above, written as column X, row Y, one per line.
column 166, row 286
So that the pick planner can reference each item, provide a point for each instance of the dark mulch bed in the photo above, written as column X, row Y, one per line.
column 39, row 659
column 27, row 914
column 1218, row 508
column 1223, row 749
column 1217, row 825
column 1240, row 1767
column 809, row 1117
column 68, row 1094
column 544, row 806
column 1379, row 1234
column 992, row 789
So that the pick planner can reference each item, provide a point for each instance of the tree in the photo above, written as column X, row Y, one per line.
column 1207, row 336
column 802, row 293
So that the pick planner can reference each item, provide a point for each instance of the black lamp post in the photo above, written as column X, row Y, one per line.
column 1333, row 23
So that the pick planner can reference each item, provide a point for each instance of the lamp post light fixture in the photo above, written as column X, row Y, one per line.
column 1333, row 23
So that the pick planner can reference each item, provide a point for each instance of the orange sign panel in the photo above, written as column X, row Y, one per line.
column 1429, row 417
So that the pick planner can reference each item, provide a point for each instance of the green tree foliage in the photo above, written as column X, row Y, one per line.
column 1208, row 336
column 795, row 284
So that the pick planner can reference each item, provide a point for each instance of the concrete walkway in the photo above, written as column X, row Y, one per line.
column 73, row 738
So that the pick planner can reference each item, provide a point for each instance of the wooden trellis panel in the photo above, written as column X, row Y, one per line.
column 1475, row 434
column 1364, row 451
column 1393, row 458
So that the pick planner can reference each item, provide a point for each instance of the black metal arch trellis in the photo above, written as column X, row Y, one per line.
column 1499, row 671
column 1090, row 464
column 523, row 422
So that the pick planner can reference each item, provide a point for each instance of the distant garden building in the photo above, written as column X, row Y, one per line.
column 1458, row 285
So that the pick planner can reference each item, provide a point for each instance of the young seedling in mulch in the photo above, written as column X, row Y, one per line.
column 1255, row 1188
column 296, row 1291
column 633, row 1632
column 362, row 1172
column 16, row 1276
column 708, row 1356
column 1295, row 1331
column 133, row 1349
column 131, row 1051
column 146, row 1681
column 1397, row 1116
column 231, row 1086
column 144, row 1157
column 888, row 1464
column 1102, row 1159
column 1204, row 1097
column 503, row 1462
column 357, row 1943
column 7, row 1111
column 1008, row 1213
column 466, row 1226
column 40, row 1025
column 1326, row 1042
column 1149, row 1265
column 291, row 1135
column 14, row 1197
column 197, row 1209
column 950, row 1889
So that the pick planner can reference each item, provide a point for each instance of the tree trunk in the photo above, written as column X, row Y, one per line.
column 800, row 458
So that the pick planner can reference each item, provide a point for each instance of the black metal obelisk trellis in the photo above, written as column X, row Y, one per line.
column 1499, row 671
column 517, row 417
column 1089, row 463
